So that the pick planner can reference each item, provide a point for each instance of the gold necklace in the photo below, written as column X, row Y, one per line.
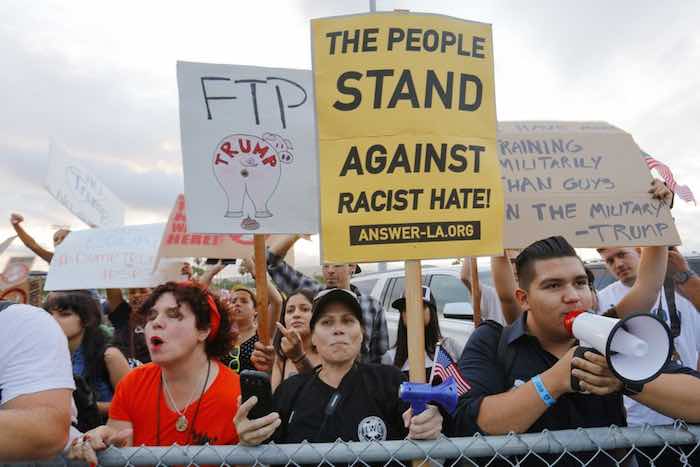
column 181, row 423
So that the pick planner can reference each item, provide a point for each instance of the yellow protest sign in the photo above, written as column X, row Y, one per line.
column 406, row 121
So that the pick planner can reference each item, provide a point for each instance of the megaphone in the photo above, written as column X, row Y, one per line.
column 419, row 394
column 637, row 347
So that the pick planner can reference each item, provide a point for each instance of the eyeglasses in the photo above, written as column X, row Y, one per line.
column 233, row 357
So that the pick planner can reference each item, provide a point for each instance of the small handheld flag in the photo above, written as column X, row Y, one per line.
column 444, row 367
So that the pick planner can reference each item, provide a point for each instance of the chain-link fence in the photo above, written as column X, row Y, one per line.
column 659, row 446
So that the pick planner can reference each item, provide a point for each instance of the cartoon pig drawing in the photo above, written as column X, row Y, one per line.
column 248, row 166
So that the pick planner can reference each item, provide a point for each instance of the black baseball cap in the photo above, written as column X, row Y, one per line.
column 335, row 295
column 427, row 296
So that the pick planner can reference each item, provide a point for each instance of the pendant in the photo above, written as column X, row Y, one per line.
column 181, row 424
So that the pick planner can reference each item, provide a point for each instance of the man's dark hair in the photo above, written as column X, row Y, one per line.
column 548, row 248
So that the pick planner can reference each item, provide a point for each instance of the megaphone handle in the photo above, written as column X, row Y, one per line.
column 575, row 386
column 417, row 407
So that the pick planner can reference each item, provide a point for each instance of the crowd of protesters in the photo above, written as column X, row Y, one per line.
column 162, row 365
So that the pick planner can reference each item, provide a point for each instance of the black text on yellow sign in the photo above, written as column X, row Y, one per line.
column 406, row 120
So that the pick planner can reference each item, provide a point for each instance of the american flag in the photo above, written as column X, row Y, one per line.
column 444, row 367
column 683, row 191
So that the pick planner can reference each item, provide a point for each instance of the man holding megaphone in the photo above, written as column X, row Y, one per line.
column 521, row 375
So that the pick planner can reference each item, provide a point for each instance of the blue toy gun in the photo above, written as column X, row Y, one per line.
column 419, row 394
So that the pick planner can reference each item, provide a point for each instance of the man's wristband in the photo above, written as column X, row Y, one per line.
column 542, row 391
column 632, row 389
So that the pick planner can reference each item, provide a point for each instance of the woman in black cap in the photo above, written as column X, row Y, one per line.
column 398, row 354
column 342, row 398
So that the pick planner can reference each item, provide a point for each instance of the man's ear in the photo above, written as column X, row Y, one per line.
column 522, row 298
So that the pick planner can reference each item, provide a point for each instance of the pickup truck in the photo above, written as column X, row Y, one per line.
column 453, row 298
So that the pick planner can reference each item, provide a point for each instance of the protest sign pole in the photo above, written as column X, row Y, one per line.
column 476, row 291
column 414, row 321
column 414, row 326
column 261, row 288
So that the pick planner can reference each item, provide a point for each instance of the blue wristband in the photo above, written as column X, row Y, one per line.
column 542, row 391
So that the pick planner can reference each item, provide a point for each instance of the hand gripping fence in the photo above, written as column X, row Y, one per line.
column 679, row 442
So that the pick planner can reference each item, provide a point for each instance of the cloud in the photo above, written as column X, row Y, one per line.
column 99, row 77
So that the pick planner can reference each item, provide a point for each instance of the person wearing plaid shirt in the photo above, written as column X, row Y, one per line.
column 287, row 279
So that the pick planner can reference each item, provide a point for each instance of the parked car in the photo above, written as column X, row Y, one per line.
column 453, row 298
column 603, row 278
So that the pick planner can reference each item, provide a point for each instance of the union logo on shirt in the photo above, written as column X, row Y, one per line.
column 371, row 429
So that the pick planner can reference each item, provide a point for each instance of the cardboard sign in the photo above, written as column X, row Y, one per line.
column 179, row 242
column 586, row 181
column 407, row 137
column 122, row 257
column 248, row 149
column 72, row 184
column 14, row 280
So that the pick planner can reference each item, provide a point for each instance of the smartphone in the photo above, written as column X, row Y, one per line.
column 257, row 383
column 223, row 261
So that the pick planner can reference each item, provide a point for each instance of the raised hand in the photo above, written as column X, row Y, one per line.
column 16, row 219
column 291, row 343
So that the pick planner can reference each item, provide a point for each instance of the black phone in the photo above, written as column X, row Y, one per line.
column 211, row 261
column 257, row 383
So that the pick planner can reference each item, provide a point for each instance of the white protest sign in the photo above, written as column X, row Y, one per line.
column 6, row 243
column 585, row 181
column 121, row 257
column 248, row 149
column 83, row 194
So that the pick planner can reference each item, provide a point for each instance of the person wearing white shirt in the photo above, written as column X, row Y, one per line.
column 36, row 383
column 623, row 264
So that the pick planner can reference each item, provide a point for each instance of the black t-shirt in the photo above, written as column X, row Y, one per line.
column 132, row 344
column 484, row 372
column 369, row 408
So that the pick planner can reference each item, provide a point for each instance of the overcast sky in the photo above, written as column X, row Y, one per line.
column 99, row 77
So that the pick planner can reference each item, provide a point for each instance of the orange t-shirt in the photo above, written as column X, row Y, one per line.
column 136, row 399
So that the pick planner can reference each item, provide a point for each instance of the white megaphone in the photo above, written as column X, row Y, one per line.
column 637, row 347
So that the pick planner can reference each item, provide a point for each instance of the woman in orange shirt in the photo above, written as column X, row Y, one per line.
column 185, row 395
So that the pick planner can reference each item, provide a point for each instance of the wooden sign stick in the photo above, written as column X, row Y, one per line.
column 476, row 292
column 414, row 322
column 261, row 288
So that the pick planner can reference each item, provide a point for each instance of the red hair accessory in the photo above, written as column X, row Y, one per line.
column 214, row 316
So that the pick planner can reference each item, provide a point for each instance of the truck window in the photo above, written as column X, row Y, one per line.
column 396, row 291
column 366, row 286
column 603, row 278
column 448, row 289
column 694, row 264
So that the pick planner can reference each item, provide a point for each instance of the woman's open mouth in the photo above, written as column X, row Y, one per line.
column 156, row 342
